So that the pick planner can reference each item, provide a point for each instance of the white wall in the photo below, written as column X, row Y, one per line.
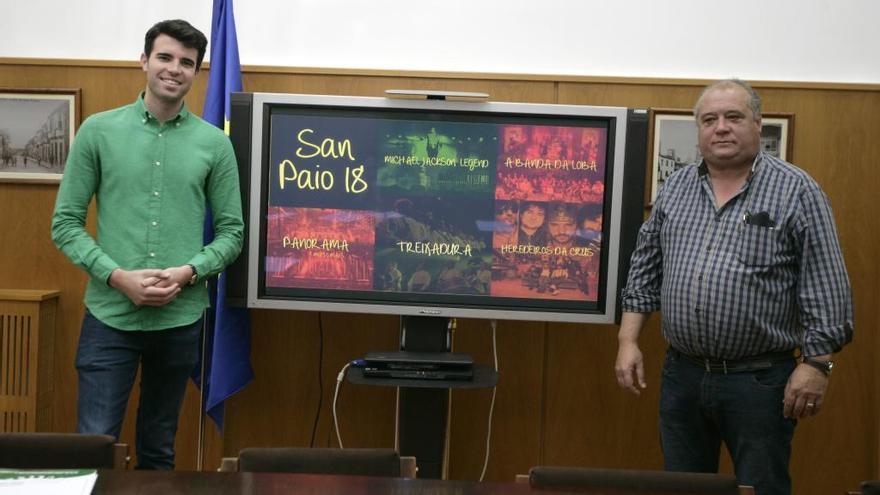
column 797, row 40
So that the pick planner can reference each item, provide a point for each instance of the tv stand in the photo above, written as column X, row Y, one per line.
column 425, row 334
column 423, row 405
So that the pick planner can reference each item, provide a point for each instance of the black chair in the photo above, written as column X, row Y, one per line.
column 632, row 481
column 870, row 487
column 363, row 462
column 61, row 451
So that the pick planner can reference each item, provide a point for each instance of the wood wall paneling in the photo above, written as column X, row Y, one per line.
column 557, row 401
column 517, row 422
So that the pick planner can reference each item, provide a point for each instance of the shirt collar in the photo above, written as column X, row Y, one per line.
column 146, row 116
column 757, row 164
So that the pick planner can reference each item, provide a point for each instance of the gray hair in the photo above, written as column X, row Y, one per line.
column 754, row 99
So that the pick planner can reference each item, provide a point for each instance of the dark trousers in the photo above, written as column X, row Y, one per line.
column 700, row 409
column 107, row 360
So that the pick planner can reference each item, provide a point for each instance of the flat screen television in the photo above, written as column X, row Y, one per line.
column 436, row 208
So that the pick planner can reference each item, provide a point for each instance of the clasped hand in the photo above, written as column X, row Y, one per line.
column 151, row 286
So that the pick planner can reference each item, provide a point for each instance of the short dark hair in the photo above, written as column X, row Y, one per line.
column 528, row 204
column 503, row 206
column 183, row 32
column 562, row 212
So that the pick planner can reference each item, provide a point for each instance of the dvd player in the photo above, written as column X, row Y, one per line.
column 419, row 365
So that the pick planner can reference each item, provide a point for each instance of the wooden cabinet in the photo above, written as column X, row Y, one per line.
column 27, row 359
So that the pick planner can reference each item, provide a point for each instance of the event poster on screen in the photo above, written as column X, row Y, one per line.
column 445, row 207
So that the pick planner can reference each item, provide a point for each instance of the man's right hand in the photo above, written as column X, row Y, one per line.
column 143, row 287
column 630, row 367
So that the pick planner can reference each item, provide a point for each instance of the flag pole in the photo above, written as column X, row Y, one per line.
column 203, row 372
column 226, row 330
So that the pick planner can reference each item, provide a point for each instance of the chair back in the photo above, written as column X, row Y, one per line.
column 632, row 481
column 870, row 487
column 58, row 451
column 363, row 462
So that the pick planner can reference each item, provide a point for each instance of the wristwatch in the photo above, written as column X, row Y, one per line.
column 195, row 276
column 823, row 366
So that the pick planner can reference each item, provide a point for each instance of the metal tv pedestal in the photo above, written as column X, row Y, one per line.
column 423, row 405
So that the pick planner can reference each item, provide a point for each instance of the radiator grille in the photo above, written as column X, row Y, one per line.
column 27, row 345
column 15, row 354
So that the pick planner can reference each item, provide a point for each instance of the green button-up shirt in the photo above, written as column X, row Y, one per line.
column 152, row 182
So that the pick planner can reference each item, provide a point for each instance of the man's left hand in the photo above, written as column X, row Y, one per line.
column 179, row 275
column 804, row 392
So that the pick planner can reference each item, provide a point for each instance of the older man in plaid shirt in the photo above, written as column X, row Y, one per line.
column 740, row 255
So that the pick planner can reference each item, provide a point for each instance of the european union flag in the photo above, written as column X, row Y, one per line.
column 228, row 334
column 225, row 72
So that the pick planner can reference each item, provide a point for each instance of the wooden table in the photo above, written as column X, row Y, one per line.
column 119, row 482
column 128, row 482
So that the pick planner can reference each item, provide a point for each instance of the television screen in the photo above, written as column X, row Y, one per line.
column 422, row 207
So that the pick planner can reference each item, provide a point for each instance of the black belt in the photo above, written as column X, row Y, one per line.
column 751, row 363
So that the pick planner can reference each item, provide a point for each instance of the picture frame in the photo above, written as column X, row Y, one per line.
column 777, row 133
column 37, row 127
column 672, row 143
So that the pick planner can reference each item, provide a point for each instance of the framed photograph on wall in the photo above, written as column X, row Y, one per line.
column 672, row 142
column 777, row 131
column 36, row 130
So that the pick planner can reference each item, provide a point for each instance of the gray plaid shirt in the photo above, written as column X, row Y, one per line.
column 763, row 273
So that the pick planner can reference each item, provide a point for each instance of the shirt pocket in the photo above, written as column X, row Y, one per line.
column 759, row 246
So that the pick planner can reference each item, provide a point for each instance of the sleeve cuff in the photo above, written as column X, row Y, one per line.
column 633, row 303
column 829, row 341
column 102, row 270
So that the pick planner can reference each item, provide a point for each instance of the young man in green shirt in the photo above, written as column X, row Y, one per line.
column 152, row 167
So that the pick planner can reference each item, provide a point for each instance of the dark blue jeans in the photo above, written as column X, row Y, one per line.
column 107, row 361
column 699, row 410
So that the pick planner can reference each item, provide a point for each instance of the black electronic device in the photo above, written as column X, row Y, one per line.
column 436, row 208
column 419, row 365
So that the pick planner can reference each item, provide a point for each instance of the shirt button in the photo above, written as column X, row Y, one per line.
column 697, row 310
column 160, row 134
column 158, row 163
column 154, row 223
column 152, row 255
column 177, row 124
column 155, row 193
